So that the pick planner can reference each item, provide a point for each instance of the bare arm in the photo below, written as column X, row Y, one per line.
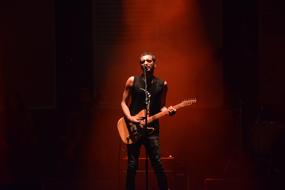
column 126, row 99
column 163, row 98
column 171, row 110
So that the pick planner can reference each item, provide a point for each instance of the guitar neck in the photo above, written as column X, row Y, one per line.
column 163, row 113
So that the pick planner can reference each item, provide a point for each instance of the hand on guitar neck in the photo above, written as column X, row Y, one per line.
column 171, row 110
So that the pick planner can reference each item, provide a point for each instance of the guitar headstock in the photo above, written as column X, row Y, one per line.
column 188, row 102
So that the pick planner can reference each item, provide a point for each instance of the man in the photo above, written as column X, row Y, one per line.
column 133, row 101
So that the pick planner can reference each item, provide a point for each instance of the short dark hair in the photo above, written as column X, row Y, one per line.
column 148, row 53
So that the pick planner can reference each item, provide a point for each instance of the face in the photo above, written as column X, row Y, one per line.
column 147, row 62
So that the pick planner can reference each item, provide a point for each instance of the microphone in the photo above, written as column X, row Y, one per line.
column 145, row 67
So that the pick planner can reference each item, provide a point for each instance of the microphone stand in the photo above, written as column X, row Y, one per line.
column 147, row 105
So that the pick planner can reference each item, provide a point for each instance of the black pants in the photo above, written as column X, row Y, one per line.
column 152, row 146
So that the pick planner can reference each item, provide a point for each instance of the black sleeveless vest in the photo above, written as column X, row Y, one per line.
column 155, row 88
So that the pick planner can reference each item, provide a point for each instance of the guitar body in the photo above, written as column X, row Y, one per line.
column 124, row 131
column 131, row 132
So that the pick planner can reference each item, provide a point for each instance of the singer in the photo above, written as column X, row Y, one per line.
column 133, row 101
